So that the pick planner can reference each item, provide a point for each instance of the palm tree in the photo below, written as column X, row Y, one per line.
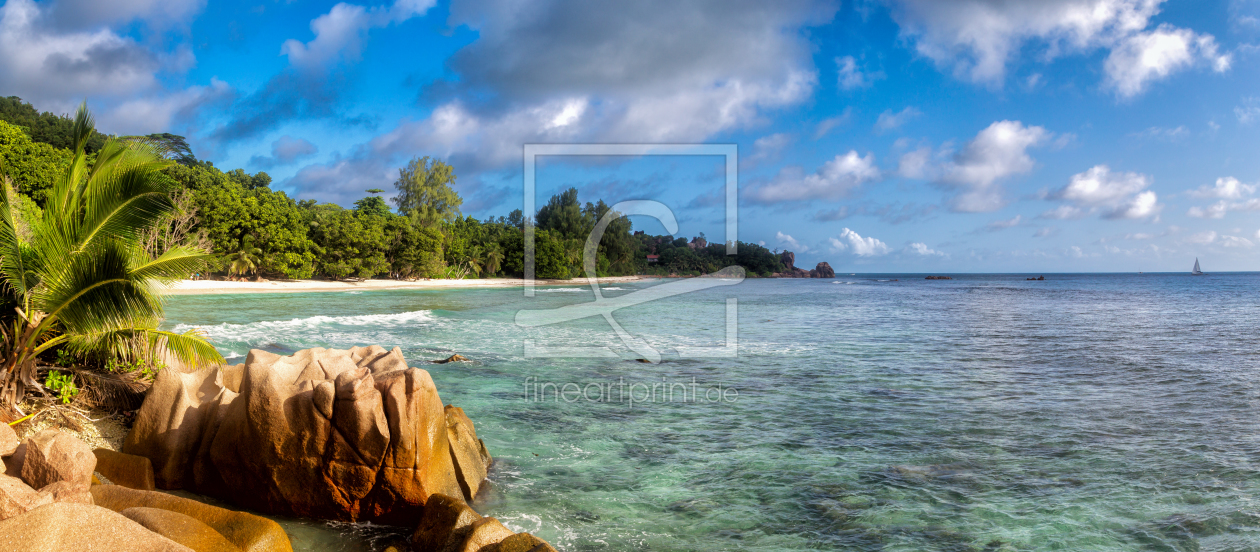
column 473, row 259
column 246, row 257
column 78, row 276
column 494, row 259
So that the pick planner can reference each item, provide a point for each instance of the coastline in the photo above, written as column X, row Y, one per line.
column 212, row 287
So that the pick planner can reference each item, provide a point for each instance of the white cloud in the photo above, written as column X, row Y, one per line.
column 890, row 121
column 852, row 76
column 84, row 14
column 1004, row 224
column 1249, row 111
column 1148, row 56
column 980, row 38
column 1235, row 241
column 1161, row 133
column 916, row 164
column 827, row 125
column 835, row 179
column 1045, row 231
column 339, row 33
column 923, row 249
column 997, row 152
column 1121, row 195
column 285, row 150
column 1226, row 187
column 1221, row 208
column 788, row 240
column 769, row 147
column 850, row 241
column 1202, row 238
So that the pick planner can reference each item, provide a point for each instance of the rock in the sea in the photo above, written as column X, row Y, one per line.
column 8, row 440
column 17, row 498
column 469, row 453
column 351, row 435
column 53, row 456
column 824, row 270
column 180, row 528
column 452, row 358
column 248, row 532
column 64, row 526
column 486, row 532
column 938, row 278
column 127, row 470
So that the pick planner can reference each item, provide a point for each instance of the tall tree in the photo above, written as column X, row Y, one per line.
column 79, row 276
column 425, row 194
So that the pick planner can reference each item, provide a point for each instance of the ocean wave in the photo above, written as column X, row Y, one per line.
column 562, row 290
column 306, row 332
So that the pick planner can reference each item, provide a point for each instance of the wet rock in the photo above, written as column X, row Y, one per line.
column 520, row 542
column 180, row 528
column 486, row 532
column 445, row 524
column 65, row 526
column 127, row 470
column 8, row 440
column 248, row 532
column 467, row 452
column 452, row 358
column 17, row 498
column 53, row 456
column 351, row 435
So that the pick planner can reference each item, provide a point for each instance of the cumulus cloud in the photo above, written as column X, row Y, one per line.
column 1120, row 195
column 284, row 151
column 835, row 179
column 980, row 38
column 851, row 242
column 573, row 70
column 889, row 121
column 831, row 123
column 1144, row 57
column 1235, row 241
column 924, row 250
column 1249, row 111
column 1201, row 238
column 1219, row 209
column 1226, row 187
column 769, row 147
column 975, row 173
column 852, row 76
column 339, row 33
column 789, row 241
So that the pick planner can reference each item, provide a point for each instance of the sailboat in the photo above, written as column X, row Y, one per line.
column 1196, row 271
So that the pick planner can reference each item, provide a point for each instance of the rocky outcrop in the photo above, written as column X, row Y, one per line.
column 246, row 532
column 62, row 526
column 789, row 267
column 180, row 528
column 17, row 498
column 352, row 435
column 823, row 270
column 449, row 525
column 127, row 470
column 46, row 468
column 468, row 453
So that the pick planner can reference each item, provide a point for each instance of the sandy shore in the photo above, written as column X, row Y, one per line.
column 200, row 287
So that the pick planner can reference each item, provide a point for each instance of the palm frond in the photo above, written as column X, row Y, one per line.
column 175, row 264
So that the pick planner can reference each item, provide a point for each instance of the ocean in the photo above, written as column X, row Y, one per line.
column 869, row 412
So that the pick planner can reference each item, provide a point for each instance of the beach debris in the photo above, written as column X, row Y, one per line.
column 452, row 358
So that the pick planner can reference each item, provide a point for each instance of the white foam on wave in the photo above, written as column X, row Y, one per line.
column 562, row 290
column 299, row 331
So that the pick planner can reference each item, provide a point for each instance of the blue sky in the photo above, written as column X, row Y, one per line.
column 898, row 135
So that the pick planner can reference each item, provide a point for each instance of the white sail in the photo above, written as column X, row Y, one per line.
column 1196, row 268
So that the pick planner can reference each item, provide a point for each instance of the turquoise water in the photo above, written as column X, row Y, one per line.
column 1084, row 412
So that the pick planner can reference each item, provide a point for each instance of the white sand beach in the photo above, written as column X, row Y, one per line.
column 201, row 287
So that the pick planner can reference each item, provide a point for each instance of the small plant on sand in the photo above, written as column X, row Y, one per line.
column 62, row 385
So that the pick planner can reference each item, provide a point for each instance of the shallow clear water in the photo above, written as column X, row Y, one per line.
column 1084, row 412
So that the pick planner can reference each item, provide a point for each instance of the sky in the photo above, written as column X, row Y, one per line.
column 878, row 136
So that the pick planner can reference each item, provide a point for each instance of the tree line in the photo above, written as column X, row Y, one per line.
column 250, row 230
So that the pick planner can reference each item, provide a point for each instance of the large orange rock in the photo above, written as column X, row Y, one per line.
column 445, row 525
column 350, row 435
column 65, row 526
column 180, row 528
column 127, row 470
column 53, row 456
column 16, row 497
column 467, row 451
column 247, row 532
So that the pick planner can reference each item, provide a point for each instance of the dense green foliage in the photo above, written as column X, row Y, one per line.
column 254, row 231
column 46, row 127
column 79, row 275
